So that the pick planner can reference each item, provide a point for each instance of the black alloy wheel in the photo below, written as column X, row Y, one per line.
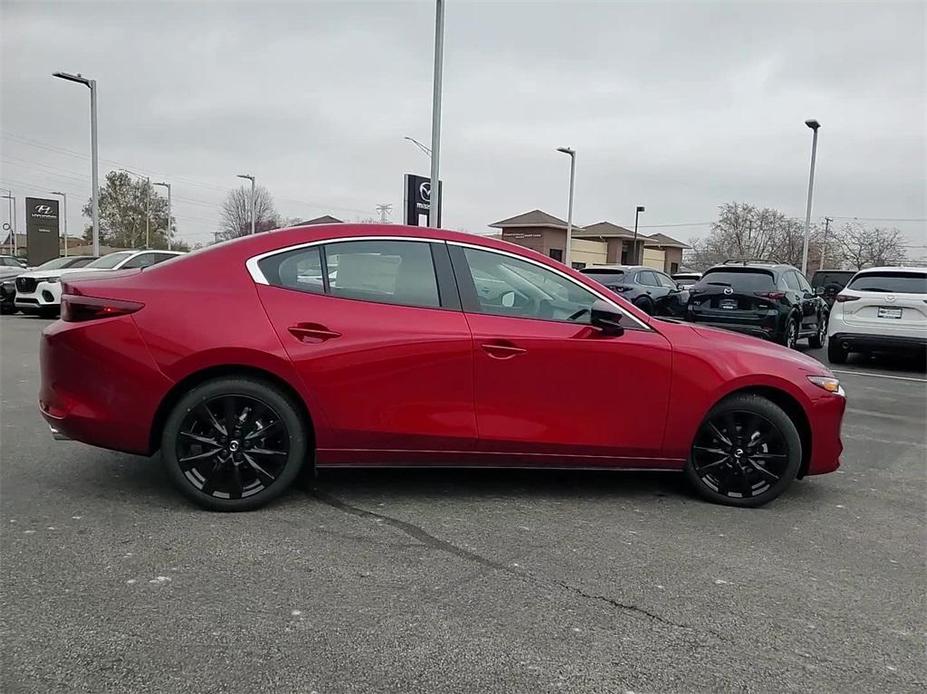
column 791, row 334
column 234, row 444
column 817, row 340
column 747, row 451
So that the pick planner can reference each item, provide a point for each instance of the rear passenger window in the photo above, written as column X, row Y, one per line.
column 393, row 272
column 791, row 281
column 297, row 269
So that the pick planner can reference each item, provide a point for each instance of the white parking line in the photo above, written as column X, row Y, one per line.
column 872, row 375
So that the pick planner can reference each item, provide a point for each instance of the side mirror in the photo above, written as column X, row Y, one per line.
column 606, row 318
column 819, row 291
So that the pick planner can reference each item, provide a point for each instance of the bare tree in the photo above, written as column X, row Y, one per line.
column 746, row 232
column 863, row 246
column 235, row 219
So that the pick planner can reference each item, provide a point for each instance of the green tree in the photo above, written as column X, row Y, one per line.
column 125, row 204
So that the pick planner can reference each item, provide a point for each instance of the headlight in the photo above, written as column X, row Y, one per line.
column 50, row 280
column 828, row 383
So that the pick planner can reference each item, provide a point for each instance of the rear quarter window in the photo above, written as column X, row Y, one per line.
column 891, row 282
column 606, row 277
column 742, row 280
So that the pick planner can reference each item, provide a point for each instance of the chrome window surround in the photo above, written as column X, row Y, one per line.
column 255, row 271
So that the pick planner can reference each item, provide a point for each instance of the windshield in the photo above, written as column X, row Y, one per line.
column 108, row 262
column 747, row 280
column 891, row 282
column 55, row 263
column 606, row 277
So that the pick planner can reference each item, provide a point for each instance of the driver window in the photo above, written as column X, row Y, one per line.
column 506, row 286
column 791, row 281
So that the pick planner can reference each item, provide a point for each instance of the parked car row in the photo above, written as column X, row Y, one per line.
column 874, row 310
column 37, row 291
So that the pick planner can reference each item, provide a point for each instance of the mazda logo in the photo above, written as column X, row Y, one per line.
column 728, row 290
column 43, row 209
column 424, row 190
column 889, row 298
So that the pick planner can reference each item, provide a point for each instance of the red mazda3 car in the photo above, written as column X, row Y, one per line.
column 363, row 345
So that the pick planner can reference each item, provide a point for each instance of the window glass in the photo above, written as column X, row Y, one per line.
column 664, row 280
column 507, row 286
column 891, row 282
column 791, row 281
column 394, row 272
column 141, row 260
column 297, row 269
column 107, row 262
column 647, row 278
column 746, row 280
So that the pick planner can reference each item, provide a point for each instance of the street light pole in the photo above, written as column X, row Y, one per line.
column 12, row 200
column 434, row 204
column 637, row 212
column 569, row 234
column 250, row 178
column 814, row 125
column 64, row 198
column 94, row 182
column 167, row 233
column 418, row 144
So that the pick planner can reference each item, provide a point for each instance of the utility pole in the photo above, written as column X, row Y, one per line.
column 571, row 153
column 637, row 213
column 814, row 125
column 64, row 200
column 249, row 177
column 384, row 209
column 12, row 200
column 827, row 221
column 167, row 232
column 434, row 204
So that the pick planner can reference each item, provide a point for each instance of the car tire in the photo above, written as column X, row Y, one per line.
column 234, row 443
column 836, row 353
column 817, row 340
column 746, row 452
column 48, row 312
column 645, row 304
column 790, row 334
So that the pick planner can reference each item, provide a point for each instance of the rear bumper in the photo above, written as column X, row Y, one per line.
column 877, row 343
column 761, row 331
column 99, row 384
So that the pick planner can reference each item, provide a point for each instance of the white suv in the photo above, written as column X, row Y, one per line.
column 39, row 291
column 882, row 309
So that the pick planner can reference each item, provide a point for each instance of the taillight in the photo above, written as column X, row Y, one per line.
column 620, row 288
column 840, row 298
column 775, row 296
column 76, row 309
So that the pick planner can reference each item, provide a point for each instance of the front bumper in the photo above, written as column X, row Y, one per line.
column 45, row 295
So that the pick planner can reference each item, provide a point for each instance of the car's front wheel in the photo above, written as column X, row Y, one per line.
column 645, row 304
column 817, row 340
column 790, row 335
column 234, row 443
column 746, row 452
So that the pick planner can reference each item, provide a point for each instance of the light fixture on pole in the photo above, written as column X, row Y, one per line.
column 94, row 187
column 814, row 125
column 12, row 200
column 249, row 177
column 64, row 201
column 637, row 212
column 423, row 148
column 569, row 233
column 434, row 205
column 147, row 180
column 167, row 232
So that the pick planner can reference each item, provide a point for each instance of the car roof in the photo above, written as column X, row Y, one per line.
column 894, row 268
column 748, row 265
column 625, row 268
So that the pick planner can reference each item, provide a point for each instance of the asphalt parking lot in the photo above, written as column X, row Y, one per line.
column 463, row 581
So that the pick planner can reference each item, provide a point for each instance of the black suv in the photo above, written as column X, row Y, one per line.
column 774, row 302
column 652, row 291
column 828, row 283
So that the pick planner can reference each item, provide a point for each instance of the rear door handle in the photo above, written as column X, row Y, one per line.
column 307, row 332
column 502, row 350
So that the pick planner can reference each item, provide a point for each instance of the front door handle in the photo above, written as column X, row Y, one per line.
column 502, row 350
column 307, row 332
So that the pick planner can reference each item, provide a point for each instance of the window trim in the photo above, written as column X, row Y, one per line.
column 448, row 294
column 468, row 291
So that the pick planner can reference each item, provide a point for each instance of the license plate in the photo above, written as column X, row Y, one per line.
column 888, row 312
column 728, row 304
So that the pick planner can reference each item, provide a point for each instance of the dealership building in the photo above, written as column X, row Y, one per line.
column 602, row 243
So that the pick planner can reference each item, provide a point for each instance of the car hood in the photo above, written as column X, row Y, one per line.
column 722, row 340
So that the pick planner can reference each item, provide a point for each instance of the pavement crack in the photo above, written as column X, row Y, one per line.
column 415, row 532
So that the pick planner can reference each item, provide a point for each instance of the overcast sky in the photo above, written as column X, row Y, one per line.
column 678, row 106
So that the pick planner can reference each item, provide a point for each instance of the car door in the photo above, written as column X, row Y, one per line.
column 671, row 300
column 547, row 381
column 375, row 331
column 810, row 303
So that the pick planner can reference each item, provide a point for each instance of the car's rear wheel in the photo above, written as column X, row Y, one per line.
column 746, row 452
column 817, row 340
column 836, row 353
column 234, row 444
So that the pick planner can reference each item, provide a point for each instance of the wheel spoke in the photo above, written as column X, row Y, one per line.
column 209, row 482
column 228, row 403
column 237, row 486
column 768, row 456
column 201, row 439
column 205, row 455
column 265, row 451
column 204, row 411
column 262, row 473
column 730, row 425
column 702, row 468
column 763, row 471
column 263, row 430
column 718, row 435
column 713, row 451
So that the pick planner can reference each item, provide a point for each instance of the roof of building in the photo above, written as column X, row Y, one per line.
column 534, row 218
column 608, row 230
column 324, row 219
column 664, row 240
